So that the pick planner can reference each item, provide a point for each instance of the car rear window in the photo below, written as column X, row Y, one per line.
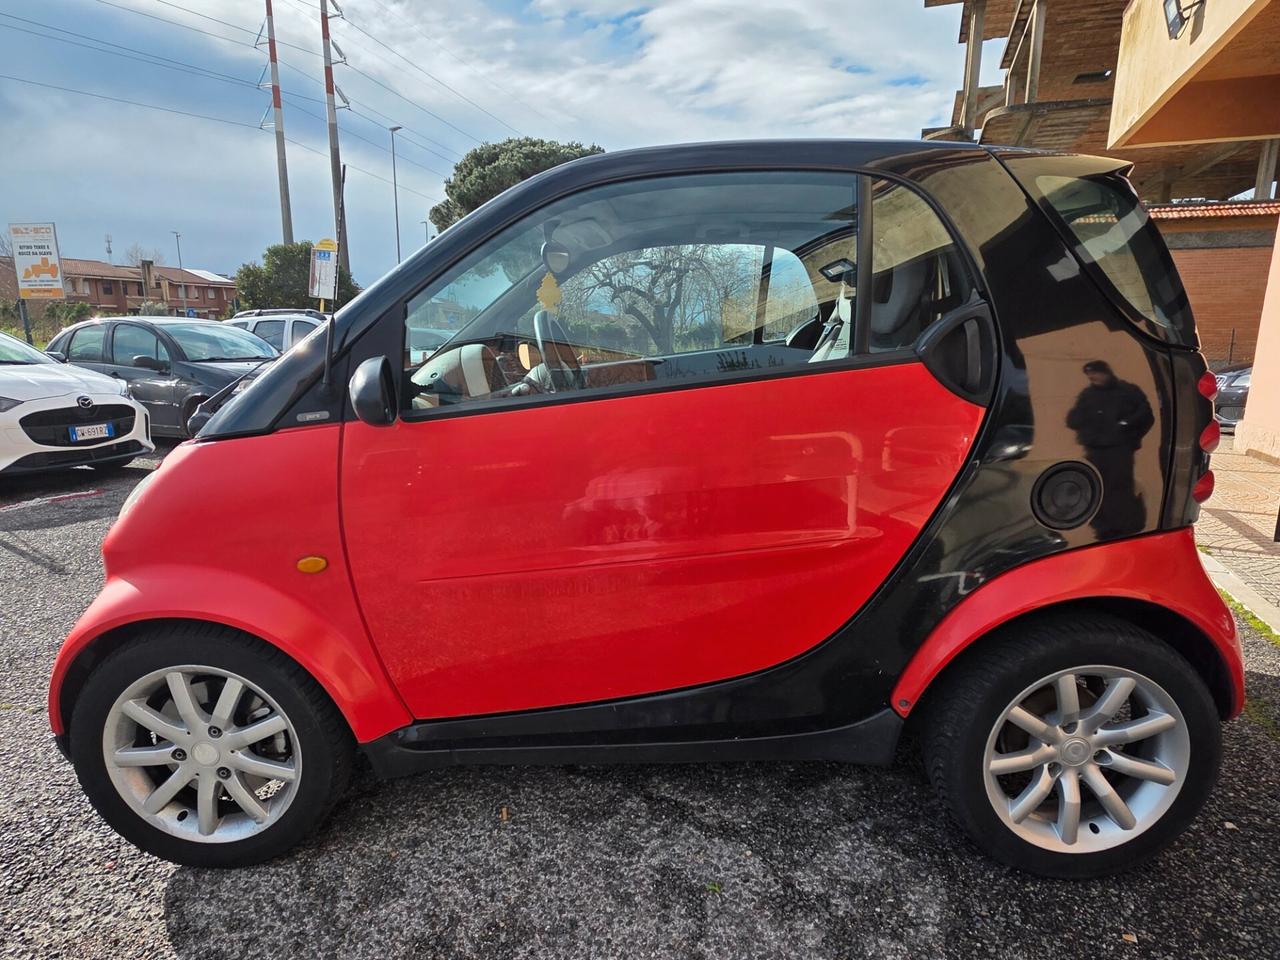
column 1116, row 236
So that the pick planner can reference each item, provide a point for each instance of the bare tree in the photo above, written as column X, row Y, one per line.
column 6, row 248
column 678, row 294
column 137, row 253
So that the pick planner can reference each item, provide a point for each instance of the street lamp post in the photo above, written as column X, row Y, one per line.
column 395, row 192
column 177, row 238
column 426, row 230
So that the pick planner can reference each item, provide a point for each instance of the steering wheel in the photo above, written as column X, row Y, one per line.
column 547, row 328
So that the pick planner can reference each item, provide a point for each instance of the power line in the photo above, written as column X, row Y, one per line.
column 200, row 116
column 233, row 26
column 297, row 69
column 156, row 60
column 351, row 133
column 413, row 103
column 367, row 173
column 133, row 103
column 143, row 56
column 431, row 76
column 301, row 72
column 389, row 122
column 184, row 26
column 190, row 69
column 470, row 66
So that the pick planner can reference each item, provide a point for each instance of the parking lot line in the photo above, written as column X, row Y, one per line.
column 41, row 501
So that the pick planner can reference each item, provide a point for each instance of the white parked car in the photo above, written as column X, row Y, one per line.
column 54, row 415
column 280, row 328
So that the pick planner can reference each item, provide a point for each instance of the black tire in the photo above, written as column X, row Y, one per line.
column 322, row 733
column 111, row 467
column 977, row 689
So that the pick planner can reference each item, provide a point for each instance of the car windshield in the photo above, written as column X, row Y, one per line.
column 216, row 341
column 13, row 351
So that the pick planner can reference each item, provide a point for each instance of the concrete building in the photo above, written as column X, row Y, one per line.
column 1189, row 92
column 1212, row 74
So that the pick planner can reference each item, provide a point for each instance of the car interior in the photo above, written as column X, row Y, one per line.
column 776, row 286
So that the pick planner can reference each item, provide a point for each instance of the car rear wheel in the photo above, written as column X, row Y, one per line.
column 207, row 748
column 1073, row 747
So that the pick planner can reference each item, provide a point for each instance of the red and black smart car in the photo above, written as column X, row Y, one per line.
column 733, row 451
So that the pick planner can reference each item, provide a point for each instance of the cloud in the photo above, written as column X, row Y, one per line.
column 615, row 72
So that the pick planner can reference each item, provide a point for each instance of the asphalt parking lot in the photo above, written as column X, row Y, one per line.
column 806, row 860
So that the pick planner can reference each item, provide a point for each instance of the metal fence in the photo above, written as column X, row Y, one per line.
column 1222, row 353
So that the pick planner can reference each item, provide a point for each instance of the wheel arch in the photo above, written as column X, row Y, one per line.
column 1167, row 626
column 81, row 666
column 345, row 666
column 1155, row 582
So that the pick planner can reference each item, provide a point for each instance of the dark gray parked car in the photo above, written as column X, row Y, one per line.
column 171, row 365
column 1233, row 394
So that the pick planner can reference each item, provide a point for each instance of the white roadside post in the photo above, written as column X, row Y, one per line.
column 323, row 282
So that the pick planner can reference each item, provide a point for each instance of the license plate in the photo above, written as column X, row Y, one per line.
column 92, row 431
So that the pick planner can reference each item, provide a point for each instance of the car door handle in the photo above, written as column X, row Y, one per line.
column 959, row 350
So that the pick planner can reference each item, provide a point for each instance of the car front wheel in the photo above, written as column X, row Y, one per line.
column 1073, row 747
column 208, row 748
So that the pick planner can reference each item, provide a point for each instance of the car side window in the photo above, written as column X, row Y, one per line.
column 917, row 274
column 300, row 330
column 86, row 344
column 643, row 284
column 616, row 306
column 271, row 331
column 131, row 341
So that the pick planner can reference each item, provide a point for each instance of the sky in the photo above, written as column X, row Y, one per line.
column 452, row 73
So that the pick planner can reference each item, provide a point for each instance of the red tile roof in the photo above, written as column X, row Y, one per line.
column 1195, row 211
column 73, row 267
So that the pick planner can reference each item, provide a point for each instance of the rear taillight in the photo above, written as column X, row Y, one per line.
column 1210, row 436
column 1208, row 385
column 1203, row 489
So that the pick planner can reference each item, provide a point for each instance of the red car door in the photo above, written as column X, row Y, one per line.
column 666, row 517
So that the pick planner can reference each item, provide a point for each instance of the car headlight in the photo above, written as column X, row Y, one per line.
column 7, row 404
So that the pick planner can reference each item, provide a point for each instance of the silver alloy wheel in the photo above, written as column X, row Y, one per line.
column 1086, row 759
column 202, row 754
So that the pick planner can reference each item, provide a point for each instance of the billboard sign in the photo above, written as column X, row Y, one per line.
column 35, row 261
column 323, row 284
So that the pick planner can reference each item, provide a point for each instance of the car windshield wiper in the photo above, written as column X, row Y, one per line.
column 231, row 359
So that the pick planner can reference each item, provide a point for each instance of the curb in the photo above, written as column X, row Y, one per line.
column 1224, row 579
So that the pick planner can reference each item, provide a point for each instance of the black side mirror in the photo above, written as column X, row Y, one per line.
column 198, row 419
column 373, row 392
column 60, row 357
column 148, row 363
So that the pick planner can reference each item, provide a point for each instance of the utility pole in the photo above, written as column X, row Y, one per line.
column 426, row 230
column 335, row 162
column 395, row 191
column 177, row 238
column 282, row 169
